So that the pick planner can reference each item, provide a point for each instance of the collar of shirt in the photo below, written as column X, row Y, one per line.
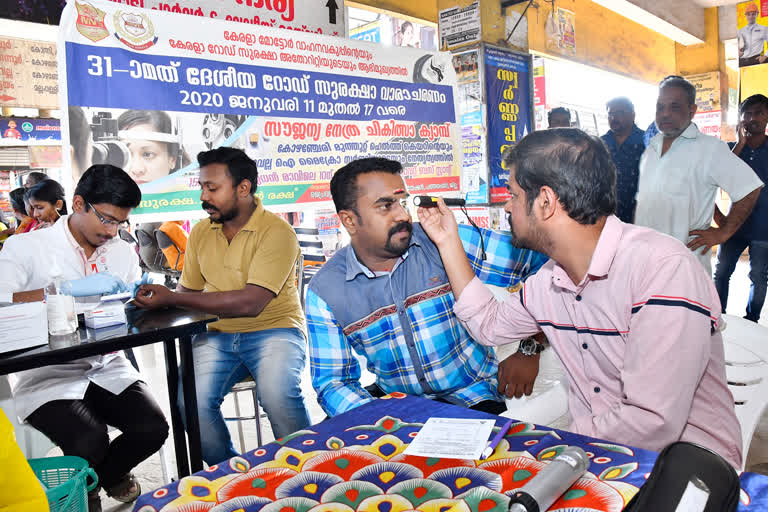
column 602, row 258
column 63, row 224
column 253, row 221
column 354, row 267
column 691, row 132
column 634, row 137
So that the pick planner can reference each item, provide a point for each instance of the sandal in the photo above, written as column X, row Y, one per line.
column 126, row 490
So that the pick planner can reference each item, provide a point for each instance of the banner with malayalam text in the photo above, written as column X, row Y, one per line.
column 508, row 92
column 301, row 105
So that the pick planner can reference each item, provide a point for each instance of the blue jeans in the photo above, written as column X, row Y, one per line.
column 727, row 256
column 273, row 357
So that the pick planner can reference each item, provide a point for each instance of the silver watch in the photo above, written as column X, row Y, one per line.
column 530, row 347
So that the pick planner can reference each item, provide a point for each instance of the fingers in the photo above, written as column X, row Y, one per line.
column 528, row 389
column 442, row 207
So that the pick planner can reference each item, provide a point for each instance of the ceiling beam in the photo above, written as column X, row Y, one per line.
column 681, row 20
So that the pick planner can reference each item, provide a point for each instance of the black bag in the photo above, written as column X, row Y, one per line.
column 687, row 470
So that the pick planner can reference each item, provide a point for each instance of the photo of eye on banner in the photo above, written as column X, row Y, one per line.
column 147, row 90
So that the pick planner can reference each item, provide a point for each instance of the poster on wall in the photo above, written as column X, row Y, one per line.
column 459, row 26
column 508, row 94
column 474, row 173
column 466, row 66
column 560, row 29
column 28, row 75
column 707, row 90
column 16, row 131
column 300, row 105
column 708, row 114
column 412, row 35
column 752, row 34
column 709, row 123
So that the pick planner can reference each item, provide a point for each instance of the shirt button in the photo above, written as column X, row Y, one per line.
column 597, row 389
column 584, row 346
column 578, row 297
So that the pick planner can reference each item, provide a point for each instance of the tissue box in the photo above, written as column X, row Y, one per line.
column 106, row 314
column 23, row 325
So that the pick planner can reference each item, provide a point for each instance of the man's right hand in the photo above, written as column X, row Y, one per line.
column 517, row 373
column 100, row 283
column 439, row 223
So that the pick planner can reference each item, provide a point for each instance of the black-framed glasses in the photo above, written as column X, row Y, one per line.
column 109, row 222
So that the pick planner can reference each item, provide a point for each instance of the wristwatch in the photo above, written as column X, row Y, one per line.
column 530, row 347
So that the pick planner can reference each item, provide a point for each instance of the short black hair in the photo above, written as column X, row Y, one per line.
column 682, row 83
column 79, row 135
column 558, row 110
column 36, row 177
column 575, row 165
column 755, row 99
column 49, row 191
column 239, row 165
column 17, row 199
column 344, row 181
column 621, row 100
column 108, row 184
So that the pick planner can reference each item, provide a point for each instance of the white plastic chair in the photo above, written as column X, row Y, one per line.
column 549, row 400
column 746, row 369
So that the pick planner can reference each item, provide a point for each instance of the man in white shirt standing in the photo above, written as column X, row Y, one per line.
column 73, row 403
column 752, row 39
column 681, row 171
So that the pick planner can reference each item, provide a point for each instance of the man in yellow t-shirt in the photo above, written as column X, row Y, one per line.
column 240, row 265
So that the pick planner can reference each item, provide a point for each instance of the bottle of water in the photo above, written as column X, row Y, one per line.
column 60, row 307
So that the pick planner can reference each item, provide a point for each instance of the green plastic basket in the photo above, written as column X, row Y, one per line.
column 66, row 482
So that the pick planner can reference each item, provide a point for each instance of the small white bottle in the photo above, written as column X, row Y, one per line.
column 60, row 307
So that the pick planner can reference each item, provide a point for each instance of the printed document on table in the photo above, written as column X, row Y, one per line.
column 452, row 438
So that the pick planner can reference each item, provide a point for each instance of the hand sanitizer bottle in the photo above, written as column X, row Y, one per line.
column 60, row 307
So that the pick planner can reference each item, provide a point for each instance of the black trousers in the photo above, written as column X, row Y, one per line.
column 79, row 427
column 489, row 406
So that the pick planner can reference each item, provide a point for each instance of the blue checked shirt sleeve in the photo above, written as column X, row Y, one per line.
column 505, row 264
column 334, row 367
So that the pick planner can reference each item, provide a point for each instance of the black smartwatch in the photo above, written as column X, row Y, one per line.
column 530, row 347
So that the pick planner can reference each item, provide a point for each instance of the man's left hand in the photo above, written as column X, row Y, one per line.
column 706, row 239
column 517, row 374
column 152, row 296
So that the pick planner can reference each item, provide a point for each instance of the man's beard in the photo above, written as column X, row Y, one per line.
column 392, row 249
column 520, row 243
column 223, row 216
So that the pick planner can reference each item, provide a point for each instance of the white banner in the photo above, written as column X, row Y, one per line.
column 301, row 105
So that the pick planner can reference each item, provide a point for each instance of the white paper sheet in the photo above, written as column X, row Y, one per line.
column 452, row 438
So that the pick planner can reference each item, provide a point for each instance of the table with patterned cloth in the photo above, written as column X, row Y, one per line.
column 355, row 462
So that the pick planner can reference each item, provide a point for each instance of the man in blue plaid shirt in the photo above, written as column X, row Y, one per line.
column 387, row 298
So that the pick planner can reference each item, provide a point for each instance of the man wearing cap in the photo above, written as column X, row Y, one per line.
column 752, row 39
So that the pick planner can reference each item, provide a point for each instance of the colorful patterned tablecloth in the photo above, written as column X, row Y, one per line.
column 355, row 462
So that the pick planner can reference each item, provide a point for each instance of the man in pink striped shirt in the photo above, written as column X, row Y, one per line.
column 630, row 311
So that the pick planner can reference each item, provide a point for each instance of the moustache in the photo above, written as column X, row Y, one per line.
column 208, row 206
column 401, row 226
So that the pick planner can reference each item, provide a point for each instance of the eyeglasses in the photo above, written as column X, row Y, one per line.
column 109, row 222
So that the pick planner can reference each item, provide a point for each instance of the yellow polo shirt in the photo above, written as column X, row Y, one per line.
column 264, row 252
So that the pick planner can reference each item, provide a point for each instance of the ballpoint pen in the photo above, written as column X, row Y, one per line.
column 494, row 442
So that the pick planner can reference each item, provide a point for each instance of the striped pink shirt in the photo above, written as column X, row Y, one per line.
column 637, row 338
